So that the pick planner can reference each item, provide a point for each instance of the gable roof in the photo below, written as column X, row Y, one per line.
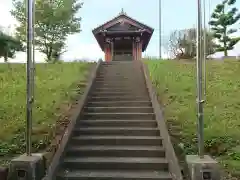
column 123, row 26
column 118, row 19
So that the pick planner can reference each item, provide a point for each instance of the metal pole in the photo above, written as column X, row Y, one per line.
column 33, row 55
column 160, row 29
column 199, row 81
column 209, row 13
column 204, row 49
column 209, row 19
column 29, row 65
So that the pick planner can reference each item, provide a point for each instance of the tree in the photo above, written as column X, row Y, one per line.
column 9, row 46
column 174, row 41
column 222, row 21
column 182, row 43
column 54, row 21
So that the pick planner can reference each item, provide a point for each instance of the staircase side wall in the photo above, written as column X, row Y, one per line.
column 174, row 167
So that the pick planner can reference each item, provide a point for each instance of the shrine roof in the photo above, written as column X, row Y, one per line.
column 122, row 17
column 123, row 25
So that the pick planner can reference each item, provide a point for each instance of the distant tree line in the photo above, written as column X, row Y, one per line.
column 225, row 21
column 8, row 46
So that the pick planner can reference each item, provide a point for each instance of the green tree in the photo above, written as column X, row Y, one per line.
column 54, row 21
column 9, row 46
column 222, row 21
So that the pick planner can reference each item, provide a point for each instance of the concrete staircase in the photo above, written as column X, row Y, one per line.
column 116, row 136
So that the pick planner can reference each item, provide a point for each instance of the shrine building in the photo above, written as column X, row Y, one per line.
column 123, row 38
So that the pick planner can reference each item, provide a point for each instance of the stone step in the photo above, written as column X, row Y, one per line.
column 121, row 82
column 118, row 109
column 122, row 64
column 133, row 75
column 123, row 87
column 117, row 93
column 113, row 175
column 119, row 66
column 129, row 73
column 130, row 84
column 118, row 98
column 118, row 90
column 117, row 131
column 117, row 123
column 118, row 62
column 119, row 78
column 115, row 151
column 115, row 75
column 137, row 94
column 121, row 69
column 112, row 116
column 121, row 103
column 115, row 163
column 117, row 140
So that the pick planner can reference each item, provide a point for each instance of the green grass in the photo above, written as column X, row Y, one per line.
column 55, row 84
column 176, row 86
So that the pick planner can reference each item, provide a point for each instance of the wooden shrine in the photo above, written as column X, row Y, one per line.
column 123, row 38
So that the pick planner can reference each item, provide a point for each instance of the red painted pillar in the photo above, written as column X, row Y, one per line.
column 138, row 46
column 107, row 52
column 134, row 50
column 111, row 50
column 140, row 50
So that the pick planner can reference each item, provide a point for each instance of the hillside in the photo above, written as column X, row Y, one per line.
column 56, row 86
column 176, row 86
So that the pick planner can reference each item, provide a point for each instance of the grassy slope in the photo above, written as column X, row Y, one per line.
column 54, row 86
column 175, row 82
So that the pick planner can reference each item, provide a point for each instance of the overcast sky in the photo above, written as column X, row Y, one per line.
column 176, row 14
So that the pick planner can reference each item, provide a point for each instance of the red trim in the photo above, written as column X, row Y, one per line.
column 136, row 50
column 107, row 53
column 140, row 50
column 133, row 50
